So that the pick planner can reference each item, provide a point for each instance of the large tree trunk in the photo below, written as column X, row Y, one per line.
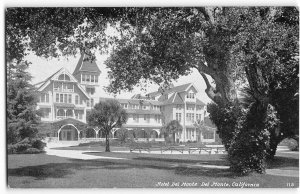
column 223, row 93
column 107, row 142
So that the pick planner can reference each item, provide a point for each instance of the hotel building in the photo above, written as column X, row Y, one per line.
column 65, row 100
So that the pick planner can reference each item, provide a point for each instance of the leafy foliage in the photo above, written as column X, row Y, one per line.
column 293, row 145
column 122, row 135
column 107, row 115
column 21, row 104
column 27, row 145
column 226, row 119
column 172, row 128
column 251, row 143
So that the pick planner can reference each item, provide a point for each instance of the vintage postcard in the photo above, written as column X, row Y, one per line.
column 152, row 97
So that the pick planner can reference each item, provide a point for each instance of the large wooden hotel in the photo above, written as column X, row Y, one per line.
column 65, row 100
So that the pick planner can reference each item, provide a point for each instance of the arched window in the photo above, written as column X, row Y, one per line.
column 64, row 77
column 69, row 113
column 60, row 112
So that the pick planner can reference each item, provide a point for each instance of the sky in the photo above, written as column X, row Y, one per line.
column 42, row 68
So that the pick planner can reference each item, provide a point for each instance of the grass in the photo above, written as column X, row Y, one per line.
column 140, row 170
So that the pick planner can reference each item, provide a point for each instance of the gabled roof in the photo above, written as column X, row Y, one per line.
column 54, row 77
column 199, row 102
column 48, row 79
column 180, row 88
column 84, row 64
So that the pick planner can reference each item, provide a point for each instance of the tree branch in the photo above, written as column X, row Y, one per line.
column 211, row 91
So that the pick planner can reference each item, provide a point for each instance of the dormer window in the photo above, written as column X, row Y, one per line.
column 64, row 77
column 191, row 95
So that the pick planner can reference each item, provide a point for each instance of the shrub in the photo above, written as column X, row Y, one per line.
column 33, row 151
column 122, row 135
column 24, row 145
column 225, row 118
column 11, row 149
column 38, row 144
column 293, row 144
column 21, row 147
column 247, row 151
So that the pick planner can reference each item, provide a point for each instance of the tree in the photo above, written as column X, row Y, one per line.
column 173, row 127
column 234, row 46
column 107, row 115
column 21, row 104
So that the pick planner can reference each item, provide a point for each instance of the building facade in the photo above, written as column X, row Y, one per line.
column 65, row 100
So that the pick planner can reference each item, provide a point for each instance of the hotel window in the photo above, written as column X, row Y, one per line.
column 87, row 103
column 65, row 99
column 178, row 107
column 70, row 98
column 198, row 117
column 76, row 99
column 57, row 98
column 124, row 105
column 135, row 106
column 190, row 107
column 147, row 118
column 92, row 78
column 61, row 98
column 64, row 77
column 191, row 95
column 190, row 117
column 157, row 118
column 47, row 97
column 178, row 117
column 208, row 135
column 92, row 102
column 96, row 78
column 135, row 118
column 83, row 77
column 88, row 78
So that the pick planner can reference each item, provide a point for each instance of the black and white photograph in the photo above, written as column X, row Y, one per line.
column 164, row 97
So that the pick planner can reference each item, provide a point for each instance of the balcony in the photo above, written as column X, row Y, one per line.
column 65, row 117
column 63, row 90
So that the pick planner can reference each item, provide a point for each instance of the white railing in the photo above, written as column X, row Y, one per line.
column 63, row 90
column 150, row 139
column 64, row 117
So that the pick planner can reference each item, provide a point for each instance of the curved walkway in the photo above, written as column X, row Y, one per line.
column 77, row 154
column 281, row 172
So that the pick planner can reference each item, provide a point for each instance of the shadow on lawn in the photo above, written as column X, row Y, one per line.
column 280, row 162
column 61, row 170
column 52, row 170
column 222, row 161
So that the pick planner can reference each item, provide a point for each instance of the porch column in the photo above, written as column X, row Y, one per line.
column 58, row 135
column 73, row 114
column 65, row 113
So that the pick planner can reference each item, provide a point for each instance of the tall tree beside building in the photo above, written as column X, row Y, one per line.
column 21, row 104
column 107, row 115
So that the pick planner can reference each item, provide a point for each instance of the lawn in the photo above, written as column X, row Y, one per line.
column 139, row 170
